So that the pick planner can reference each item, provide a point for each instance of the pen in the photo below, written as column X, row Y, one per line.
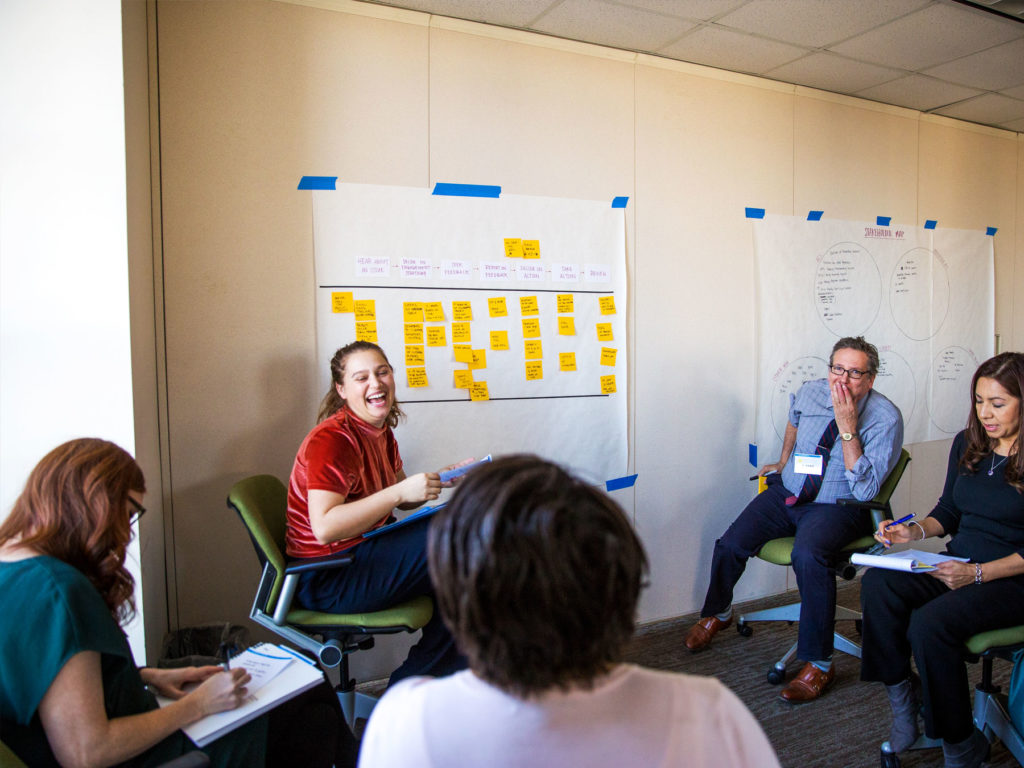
column 769, row 472
column 226, row 655
column 901, row 520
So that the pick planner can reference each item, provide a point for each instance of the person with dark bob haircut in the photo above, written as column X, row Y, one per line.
column 930, row 617
column 538, row 577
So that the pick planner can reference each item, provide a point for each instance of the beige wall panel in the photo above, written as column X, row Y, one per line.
column 854, row 162
column 253, row 96
column 1016, row 336
column 706, row 149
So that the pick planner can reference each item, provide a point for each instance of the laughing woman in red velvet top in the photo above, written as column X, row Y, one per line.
column 347, row 480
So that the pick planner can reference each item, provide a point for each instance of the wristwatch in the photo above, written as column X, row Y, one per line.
column 848, row 436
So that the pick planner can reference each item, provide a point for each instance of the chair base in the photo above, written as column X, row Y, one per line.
column 356, row 706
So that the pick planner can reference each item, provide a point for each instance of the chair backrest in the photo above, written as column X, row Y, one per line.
column 262, row 503
column 890, row 483
column 8, row 759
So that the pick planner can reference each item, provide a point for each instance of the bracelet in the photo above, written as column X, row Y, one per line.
column 977, row 573
column 914, row 522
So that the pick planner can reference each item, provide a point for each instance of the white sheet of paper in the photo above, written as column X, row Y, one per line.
column 808, row 464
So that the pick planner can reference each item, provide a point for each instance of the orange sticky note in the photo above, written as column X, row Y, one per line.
column 416, row 377
column 434, row 311
column 461, row 332
column 607, row 304
column 414, row 355
column 608, row 356
column 436, row 336
column 497, row 306
column 412, row 311
column 479, row 359
column 531, row 249
column 463, row 379
column 478, row 391
column 366, row 331
column 534, row 370
column 567, row 361
column 462, row 310
column 604, row 332
column 365, row 309
column 499, row 340
column 341, row 301
column 608, row 385
column 414, row 333
column 565, row 304
column 533, row 349
column 531, row 328
column 463, row 353
column 513, row 247
column 528, row 305
column 566, row 326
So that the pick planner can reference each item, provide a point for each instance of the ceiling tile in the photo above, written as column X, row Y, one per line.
column 992, row 70
column 816, row 23
column 989, row 108
column 918, row 92
column 1014, row 93
column 1014, row 125
column 930, row 36
column 509, row 13
column 614, row 25
column 725, row 49
column 702, row 10
column 832, row 73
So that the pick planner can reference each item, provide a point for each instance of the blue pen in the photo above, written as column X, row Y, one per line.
column 901, row 520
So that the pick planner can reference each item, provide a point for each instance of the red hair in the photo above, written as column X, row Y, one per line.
column 75, row 508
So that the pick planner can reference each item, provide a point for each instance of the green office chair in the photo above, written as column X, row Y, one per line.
column 991, row 714
column 261, row 501
column 194, row 759
column 780, row 552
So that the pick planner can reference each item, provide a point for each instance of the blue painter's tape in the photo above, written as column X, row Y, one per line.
column 991, row 230
column 883, row 221
column 814, row 215
column 930, row 224
column 755, row 213
column 467, row 190
column 752, row 454
column 620, row 482
column 619, row 202
column 318, row 182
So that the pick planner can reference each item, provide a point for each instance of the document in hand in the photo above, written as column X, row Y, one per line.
column 913, row 560
column 278, row 674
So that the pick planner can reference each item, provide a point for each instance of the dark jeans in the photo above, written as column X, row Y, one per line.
column 821, row 531
column 913, row 613
column 387, row 570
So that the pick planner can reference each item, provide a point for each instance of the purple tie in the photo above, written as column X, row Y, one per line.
column 812, row 483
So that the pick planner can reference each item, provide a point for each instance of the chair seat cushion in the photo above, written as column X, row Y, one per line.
column 780, row 551
column 411, row 615
column 995, row 638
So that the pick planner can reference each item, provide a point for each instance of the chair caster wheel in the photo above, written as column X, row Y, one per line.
column 745, row 629
column 774, row 676
column 890, row 760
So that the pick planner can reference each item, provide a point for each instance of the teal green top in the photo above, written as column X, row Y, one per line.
column 51, row 612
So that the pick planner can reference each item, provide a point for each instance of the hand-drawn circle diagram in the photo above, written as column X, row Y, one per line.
column 896, row 381
column 919, row 293
column 787, row 381
column 949, row 393
column 847, row 289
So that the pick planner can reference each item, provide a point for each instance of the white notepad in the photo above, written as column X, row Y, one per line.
column 912, row 560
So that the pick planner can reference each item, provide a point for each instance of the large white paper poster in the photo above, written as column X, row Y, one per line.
column 504, row 319
column 924, row 297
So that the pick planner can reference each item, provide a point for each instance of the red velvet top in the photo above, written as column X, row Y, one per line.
column 345, row 455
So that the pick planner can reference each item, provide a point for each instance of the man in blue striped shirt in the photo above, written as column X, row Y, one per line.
column 842, row 440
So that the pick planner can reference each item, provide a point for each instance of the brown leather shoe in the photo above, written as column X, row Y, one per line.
column 808, row 685
column 700, row 634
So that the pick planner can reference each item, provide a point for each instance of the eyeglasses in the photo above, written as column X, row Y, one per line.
column 853, row 373
column 138, row 513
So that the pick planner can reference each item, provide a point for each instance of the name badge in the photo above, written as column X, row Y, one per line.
column 807, row 463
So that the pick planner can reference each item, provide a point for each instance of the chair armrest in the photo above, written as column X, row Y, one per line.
column 868, row 504
column 319, row 563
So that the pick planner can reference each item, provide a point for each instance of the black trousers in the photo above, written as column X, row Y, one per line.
column 915, row 614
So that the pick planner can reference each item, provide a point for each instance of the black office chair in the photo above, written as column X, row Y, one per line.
column 261, row 502
column 780, row 552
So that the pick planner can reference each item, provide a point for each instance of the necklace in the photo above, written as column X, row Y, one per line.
column 995, row 466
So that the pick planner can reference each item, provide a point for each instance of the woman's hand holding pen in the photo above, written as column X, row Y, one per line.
column 415, row 489
column 897, row 532
column 221, row 691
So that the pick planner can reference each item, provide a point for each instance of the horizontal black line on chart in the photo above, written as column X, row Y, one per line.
column 492, row 290
column 467, row 400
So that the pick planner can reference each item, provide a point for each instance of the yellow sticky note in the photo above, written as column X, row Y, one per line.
column 531, row 249
column 567, row 361
column 566, row 326
column 564, row 303
column 414, row 355
column 531, row 328
column 463, row 379
column 497, row 307
column 534, row 370
column 607, row 305
column 463, row 353
column 416, row 377
column 604, row 332
column 528, row 305
column 478, row 391
column 607, row 356
column 607, row 385
column 341, row 301
column 434, row 311
column 412, row 311
column 414, row 333
column 499, row 340
column 436, row 336
column 533, row 349
column 461, row 332
column 366, row 309
column 479, row 359
column 366, row 331
column 514, row 247
column 462, row 310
